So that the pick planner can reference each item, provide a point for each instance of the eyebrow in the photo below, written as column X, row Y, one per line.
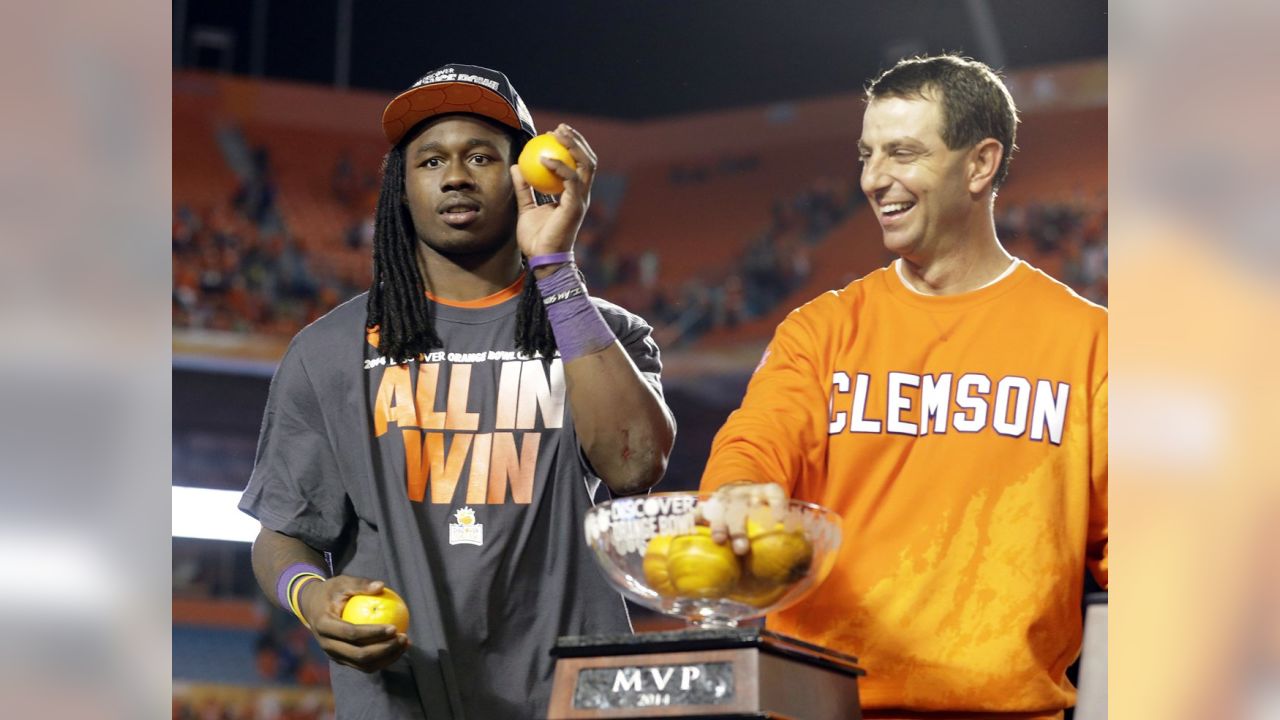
column 435, row 146
column 894, row 143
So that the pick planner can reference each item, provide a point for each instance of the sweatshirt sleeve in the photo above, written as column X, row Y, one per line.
column 779, row 432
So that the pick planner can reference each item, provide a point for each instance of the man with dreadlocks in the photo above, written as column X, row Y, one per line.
column 443, row 434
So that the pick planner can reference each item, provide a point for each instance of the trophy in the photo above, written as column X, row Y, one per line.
column 657, row 551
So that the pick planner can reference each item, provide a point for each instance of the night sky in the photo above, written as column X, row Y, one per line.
column 636, row 58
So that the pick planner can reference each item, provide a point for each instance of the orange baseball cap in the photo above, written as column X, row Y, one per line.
column 457, row 88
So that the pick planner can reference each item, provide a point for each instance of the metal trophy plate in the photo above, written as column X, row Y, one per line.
column 657, row 551
column 715, row 672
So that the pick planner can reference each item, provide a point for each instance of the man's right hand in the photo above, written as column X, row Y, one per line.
column 727, row 509
column 364, row 647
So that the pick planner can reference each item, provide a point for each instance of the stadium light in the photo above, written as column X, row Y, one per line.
column 211, row 515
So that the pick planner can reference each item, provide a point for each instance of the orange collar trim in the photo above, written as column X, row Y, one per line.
column 489, row 300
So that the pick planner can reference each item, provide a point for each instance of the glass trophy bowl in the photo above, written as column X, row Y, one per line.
column 657, row 550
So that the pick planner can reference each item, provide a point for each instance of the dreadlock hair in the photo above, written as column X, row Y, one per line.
column 533, row 330
column 398, row 306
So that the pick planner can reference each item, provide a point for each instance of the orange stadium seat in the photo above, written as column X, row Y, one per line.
column 696, row 226
column 201, row 177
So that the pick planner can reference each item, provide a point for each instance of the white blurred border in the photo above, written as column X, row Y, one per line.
column 85, row 362
column 1194, row 298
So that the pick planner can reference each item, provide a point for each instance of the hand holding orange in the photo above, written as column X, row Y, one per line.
column 385, row 608
column 538, row 176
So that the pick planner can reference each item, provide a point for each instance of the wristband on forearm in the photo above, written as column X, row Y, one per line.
column 550, row 259
column 295, row 591
column 552, row 299
column 576, row 323
column 287, row 584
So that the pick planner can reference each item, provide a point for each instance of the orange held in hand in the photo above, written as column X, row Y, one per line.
column 385, row 608
column 538, row 176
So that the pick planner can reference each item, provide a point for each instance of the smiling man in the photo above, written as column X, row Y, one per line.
column 443, row 434
column 952, row 408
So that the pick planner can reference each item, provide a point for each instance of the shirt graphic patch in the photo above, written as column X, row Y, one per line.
column 466, row 531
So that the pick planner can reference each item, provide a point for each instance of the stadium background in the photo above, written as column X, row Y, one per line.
column 727, row 196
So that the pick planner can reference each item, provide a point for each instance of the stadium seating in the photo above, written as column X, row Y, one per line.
column 699, row 215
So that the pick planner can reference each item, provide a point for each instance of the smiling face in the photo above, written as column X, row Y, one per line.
column 919, row 189
column 458, row 186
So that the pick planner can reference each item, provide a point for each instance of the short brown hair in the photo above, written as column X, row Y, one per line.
column 976, row 105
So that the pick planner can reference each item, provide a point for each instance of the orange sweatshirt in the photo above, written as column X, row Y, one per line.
column 963, row 440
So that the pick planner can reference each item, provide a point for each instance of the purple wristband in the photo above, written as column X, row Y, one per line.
column 550, row 259
column 286, row 577
column 575, row 321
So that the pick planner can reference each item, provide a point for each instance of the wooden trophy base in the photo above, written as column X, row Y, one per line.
column 723, row 673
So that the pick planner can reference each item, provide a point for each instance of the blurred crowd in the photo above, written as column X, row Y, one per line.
column 211, row 703
column 1066, row 239
column 237, row 267
column 774, row 264
column 232, row 275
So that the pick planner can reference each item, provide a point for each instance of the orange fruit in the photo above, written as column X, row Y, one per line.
column 655, row 565
column 538, row 176
column 778, row 555
column 700, row 567
column 758, row 593
column 385, row 608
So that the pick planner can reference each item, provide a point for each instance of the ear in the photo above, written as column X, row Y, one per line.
column 984, row 161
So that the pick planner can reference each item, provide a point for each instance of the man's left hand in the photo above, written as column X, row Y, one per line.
column 553, row 228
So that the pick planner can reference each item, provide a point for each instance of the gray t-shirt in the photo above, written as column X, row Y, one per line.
column 457, row 479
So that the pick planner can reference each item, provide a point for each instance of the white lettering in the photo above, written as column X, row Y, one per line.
column 961, row 421
column 632, row 535
column 689, row 673
column 935, row 400
column 682, row 524
column 624, row 681
column 1049, row 411
column 860, row 423
column 660, row 681
column 1000, row 418
column 653, row 699
column 839, row 385
column 970, row 402
column 491, row 84
column 508, row 395
column 898, row 404
column 539, row 393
